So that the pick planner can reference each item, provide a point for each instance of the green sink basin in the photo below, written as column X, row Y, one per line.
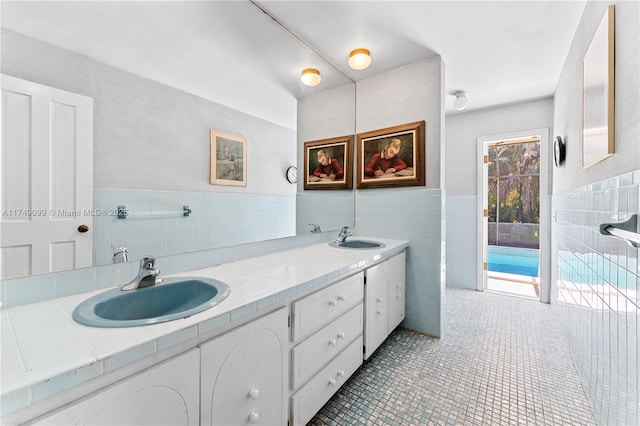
column 357, row 244
column 173, row 299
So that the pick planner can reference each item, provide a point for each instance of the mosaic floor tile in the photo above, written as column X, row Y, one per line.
column 503, row 361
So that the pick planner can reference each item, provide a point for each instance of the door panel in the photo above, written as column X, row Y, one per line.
column 47, row 176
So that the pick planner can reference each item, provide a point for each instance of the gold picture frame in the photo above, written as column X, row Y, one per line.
column 328, row 163
column 598, row 94
column 228, row 159
column 392, row 157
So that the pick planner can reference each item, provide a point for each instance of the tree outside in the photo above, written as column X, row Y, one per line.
column 514, row 194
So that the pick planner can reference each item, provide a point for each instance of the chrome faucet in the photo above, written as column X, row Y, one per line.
column 120, row 254
column 147, row 276
column 316, row 228
column 343, row 235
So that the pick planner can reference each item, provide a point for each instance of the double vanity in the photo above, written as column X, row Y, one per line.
column 277, row 343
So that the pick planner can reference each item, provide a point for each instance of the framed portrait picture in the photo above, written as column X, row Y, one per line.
column 392, row 157
column 598, row 121
column 328, row 163
column 228, row 159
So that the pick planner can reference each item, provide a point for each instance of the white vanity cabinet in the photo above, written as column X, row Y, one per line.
column 245, row 374
column 327, row 344
column 166, row 394
column 384, row 301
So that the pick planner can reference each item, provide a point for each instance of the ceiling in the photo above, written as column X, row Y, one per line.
column 233, row 53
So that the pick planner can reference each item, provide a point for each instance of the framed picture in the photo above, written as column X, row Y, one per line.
column 598, row 94
column 228, row 159
column 392, row 157
column 328, row 163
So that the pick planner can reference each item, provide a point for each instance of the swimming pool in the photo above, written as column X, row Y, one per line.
column 514, row 260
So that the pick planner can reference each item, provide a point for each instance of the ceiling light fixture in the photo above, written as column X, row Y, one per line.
column 461, row 101
column 310, row 77
column 359, row 59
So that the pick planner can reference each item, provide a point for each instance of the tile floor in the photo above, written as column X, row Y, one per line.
column 503, row 361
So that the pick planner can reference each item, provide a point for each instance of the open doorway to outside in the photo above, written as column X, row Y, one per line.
column 513, row 199
column 513, row 208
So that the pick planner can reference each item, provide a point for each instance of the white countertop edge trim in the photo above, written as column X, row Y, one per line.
column 34, row 387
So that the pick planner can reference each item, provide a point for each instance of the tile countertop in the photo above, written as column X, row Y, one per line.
column 44, row 351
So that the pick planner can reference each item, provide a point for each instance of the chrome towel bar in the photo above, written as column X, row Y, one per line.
column 627, row 230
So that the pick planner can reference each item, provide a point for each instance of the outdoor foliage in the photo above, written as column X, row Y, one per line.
column 514, row 183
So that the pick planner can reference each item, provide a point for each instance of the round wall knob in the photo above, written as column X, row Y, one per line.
column 332, row 342
column 83, row 228
column 254, row 393
column 332, row 381
column 254, row 417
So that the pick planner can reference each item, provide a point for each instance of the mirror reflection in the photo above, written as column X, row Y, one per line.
column 137, row 142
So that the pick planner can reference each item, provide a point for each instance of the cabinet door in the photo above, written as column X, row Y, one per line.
column 245, row 375
column 167, row 394
column 396, row 290
column 376, row 321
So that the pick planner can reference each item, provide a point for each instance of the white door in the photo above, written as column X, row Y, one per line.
column 47, row 179
column 397, row 272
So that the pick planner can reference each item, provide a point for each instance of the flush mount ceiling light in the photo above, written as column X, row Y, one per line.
column 461, row 101
column 310, row 77
column 359, row 59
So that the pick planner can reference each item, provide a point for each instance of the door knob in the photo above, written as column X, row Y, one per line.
column 83, row 228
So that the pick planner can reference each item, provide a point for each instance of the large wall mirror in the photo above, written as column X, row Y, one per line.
column 161, row 75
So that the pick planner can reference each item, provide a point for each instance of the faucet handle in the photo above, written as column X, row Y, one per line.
column 147, row 262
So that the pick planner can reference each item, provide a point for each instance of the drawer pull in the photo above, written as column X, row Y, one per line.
column 342, row 298
column 333, row 342
column 334, row 302
column 254, row 393
column 340, row 373
column 332, row 381
column 254, row 417
column 341, row 335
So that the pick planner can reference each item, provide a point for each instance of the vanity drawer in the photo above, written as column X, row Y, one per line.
column 311, row 397
column 310, row 355
column 314, row 311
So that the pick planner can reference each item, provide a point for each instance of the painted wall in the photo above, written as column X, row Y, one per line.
column 461, row 156
column 568, row 98
column 595, row 278
column 404, row 95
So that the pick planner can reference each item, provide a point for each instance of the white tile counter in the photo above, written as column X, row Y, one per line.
column 45, row 352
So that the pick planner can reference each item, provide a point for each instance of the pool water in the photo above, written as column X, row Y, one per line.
column 513, row 260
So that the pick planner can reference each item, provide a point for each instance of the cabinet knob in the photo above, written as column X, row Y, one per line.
column 334, row 302
column 379, row 312
column 397, row 285
column 379, row 299
column 341, row 298
column 254, row 417
column 333, row 342
column 83, row 228
column 398, row 296
column 341, row 335
column 254, row 393
column 340, row 373
column 332, row 381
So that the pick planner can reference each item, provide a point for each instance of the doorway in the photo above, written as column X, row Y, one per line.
column 513, row 214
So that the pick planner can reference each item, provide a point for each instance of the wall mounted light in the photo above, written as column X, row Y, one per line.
column 359, row 59
column 461, row 101
column 310, row 77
